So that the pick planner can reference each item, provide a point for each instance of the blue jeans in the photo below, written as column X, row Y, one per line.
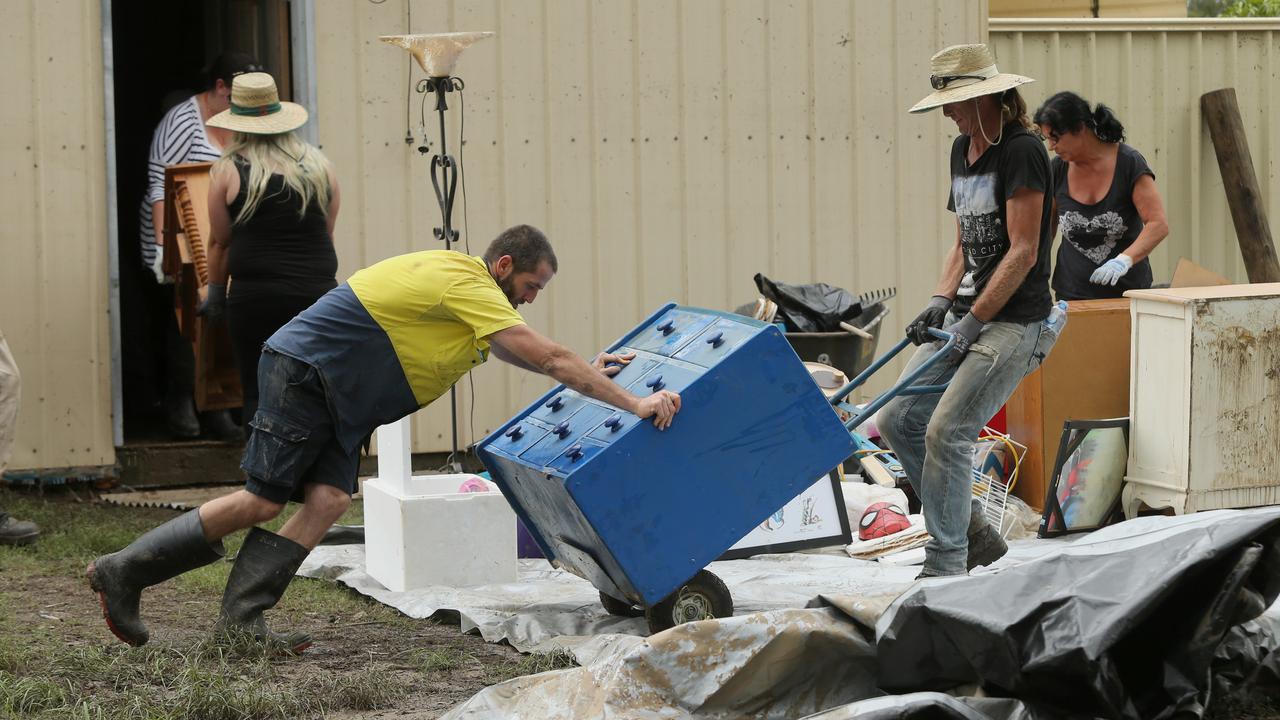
column 933, row 435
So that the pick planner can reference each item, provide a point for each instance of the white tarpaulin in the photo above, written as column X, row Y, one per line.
column 547, row 604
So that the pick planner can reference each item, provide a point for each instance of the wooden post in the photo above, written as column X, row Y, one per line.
column 1222, row 114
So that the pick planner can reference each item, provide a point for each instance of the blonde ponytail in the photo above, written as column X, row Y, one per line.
column 304, row 168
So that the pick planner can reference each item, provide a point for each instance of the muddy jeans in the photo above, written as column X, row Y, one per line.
column 933, row 435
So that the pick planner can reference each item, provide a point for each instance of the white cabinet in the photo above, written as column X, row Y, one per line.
column 1204, row 398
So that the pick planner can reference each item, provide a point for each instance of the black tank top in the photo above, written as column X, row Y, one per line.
column 275, row 252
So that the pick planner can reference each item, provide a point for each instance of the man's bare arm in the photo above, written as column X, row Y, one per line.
column 507, row 357
column 566, row 366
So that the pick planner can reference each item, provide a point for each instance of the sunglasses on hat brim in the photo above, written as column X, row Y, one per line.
column 940, row 82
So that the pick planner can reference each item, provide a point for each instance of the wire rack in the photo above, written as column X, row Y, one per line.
column 990, row 488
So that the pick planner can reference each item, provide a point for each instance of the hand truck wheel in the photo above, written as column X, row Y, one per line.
column 621, row 608
column 703, row 597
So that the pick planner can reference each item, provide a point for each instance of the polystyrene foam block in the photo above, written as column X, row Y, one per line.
column 431, row 534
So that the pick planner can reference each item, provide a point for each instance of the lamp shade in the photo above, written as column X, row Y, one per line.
column 437, row 53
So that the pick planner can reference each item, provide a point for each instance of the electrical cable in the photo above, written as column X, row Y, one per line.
column 466, row 235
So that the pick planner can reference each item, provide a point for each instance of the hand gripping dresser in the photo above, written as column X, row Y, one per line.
column 639, row 512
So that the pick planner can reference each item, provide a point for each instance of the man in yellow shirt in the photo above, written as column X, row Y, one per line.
column 390, row 340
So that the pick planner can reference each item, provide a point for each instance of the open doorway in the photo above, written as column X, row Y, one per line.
column 161, row 49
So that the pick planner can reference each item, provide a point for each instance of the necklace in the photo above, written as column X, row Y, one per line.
column 999, row 136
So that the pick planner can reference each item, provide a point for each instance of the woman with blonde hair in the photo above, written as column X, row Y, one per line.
column 273, row 202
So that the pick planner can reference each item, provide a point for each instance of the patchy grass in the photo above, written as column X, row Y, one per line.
column 533, row 664
column 57, row 659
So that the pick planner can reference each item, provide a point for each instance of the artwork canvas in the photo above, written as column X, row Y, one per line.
column 1084, row 493
column 814, row 518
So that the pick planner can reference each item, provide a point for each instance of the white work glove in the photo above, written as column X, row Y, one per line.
column 157, row 266
column 1109, row 272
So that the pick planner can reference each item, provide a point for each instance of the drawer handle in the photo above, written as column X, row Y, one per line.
column 555, row 403
column 575, row 453
column 514, row 433
column 614, row 423
column 562, row 429
column 667, row 327
column 716, row 340
column 656, row 383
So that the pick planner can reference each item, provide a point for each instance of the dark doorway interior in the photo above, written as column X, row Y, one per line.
column 161, row 48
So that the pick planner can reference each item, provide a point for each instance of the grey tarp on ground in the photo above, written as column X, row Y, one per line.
column 786, row 664
column 548, row 604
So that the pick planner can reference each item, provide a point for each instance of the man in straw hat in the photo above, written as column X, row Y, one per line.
column 993, row 296
column 390, row 340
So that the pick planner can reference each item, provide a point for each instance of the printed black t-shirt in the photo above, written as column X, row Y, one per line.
column 979, row 193
column 1093, row 234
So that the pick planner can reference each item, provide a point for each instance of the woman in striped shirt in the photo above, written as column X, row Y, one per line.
column 183, row 137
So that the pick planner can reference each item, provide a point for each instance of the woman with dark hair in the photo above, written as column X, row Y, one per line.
column 1106, row 202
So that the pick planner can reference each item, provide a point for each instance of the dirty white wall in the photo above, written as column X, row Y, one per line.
column 53, row 239
column 671, row 149
column 1152, row 73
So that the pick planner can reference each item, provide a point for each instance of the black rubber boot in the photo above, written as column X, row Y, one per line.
column 17, row 532
column 219, row 424
column 262, row 572
column 985, row 544
column 164, row 552
column 180, row 412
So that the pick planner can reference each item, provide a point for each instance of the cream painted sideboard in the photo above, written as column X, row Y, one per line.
column 1204, row 398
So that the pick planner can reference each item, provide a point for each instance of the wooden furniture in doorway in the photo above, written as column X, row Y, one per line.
column 186, row 239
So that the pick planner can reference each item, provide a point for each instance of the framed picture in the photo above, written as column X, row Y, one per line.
column 814, row 518
column 1088, row 475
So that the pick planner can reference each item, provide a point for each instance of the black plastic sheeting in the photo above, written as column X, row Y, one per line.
column 815, row 307
column 1140, row 626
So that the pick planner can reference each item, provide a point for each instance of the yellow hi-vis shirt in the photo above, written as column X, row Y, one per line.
column 397, row 335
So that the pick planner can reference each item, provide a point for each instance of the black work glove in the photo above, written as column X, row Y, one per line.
column 966, row 330
column 932, row 317
column 215, row 304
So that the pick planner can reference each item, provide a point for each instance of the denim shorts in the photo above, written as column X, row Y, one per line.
column 292, row 441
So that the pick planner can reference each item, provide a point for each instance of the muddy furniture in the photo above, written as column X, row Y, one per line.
column 186, row 244
column 639, row 513
column 1204, row 398
column 1085, row 377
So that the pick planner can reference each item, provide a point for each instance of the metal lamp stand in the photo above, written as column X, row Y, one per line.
column 444, row 179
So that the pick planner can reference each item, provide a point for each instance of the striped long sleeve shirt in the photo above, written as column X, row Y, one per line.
column 179, row 138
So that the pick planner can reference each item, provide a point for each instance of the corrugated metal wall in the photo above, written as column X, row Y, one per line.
column 1152, row 73
column 53, row 277
column 1087, row 8
column 670, row 149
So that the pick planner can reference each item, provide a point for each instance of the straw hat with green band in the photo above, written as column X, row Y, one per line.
column 256, row 108
column 964, row 72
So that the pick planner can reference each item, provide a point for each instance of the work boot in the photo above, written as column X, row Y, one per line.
column 219, row 424
column 265, row 566
column 180, row 412
column 985, row 544
column 17, row 532
column 164, row 552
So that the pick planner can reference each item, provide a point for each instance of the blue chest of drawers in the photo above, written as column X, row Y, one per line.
column 636, row 511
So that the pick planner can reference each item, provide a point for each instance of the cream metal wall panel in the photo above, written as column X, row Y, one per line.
column 670, row 148
column 53, row 281
column 1086, row 8
column 1153, row 74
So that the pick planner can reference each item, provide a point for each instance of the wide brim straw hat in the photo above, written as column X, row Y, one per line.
column 964, row 72
column 256, row 108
